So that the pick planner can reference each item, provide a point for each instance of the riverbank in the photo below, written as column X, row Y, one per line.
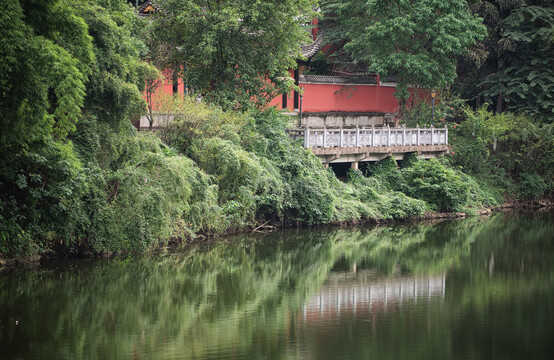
column 266, row 228
column 215, row 172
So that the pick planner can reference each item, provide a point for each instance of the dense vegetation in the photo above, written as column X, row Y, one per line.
column 414, row 41
column 76, row 176
column 236, row 53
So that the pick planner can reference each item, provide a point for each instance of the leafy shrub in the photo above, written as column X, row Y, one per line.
column 440, row 186
column 40, row 203
column 532, row 186
column 387, row 203
column 498, row 149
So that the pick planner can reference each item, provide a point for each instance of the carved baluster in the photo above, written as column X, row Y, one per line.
column 372, row 135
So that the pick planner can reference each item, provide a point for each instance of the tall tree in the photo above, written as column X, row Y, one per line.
column 520, row 76
column 70, row 76
column 45, row 61
column 416, row 41
column 513, row 66
column 234, row 52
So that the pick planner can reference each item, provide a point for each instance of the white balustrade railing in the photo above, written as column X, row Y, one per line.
column 386, row 136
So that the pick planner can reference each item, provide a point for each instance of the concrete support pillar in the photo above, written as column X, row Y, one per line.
column 354, row 165
column 326, row 165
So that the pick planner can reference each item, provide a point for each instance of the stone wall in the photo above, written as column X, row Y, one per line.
column 346, row 120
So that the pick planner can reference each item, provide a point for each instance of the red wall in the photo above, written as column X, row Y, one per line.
column 329, row 97
column 357, row 98
column 354, row 98
column 166, row 87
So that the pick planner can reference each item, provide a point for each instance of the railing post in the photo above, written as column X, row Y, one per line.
column 388, row 135
column 341, row 135
column 307, row 137
column 404, row 135
column 432, row 135
column 357, row 136
column 372, row 135
column 445, row 135
column 324, row 137
column 417, row 135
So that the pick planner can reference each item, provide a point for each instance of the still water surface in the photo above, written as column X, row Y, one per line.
column 480, row 288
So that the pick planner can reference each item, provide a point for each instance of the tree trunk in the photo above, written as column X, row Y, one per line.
column 401, row 111
column 499, row 103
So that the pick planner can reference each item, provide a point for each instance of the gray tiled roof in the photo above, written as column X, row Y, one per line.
column 389, row 79
column 351, row 69
column 310, row 50
column 323, row 79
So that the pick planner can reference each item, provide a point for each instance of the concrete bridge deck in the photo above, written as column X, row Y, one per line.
column 339, row 145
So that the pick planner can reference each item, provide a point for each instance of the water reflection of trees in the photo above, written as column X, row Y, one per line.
column 244, row 296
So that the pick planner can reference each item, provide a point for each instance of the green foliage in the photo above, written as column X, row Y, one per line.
column 319, row 65
column 184, row 120
column 438, row 185
column 46, row 53
column 414, row 41
column 141, row 202
column 533, row 186
column 77, row 176
column 525, row 78
column 512, row 67
column 378, row 192
column 235, row 52
column 507, row 153
column 108, row 188
column 49, row 178
column 118, row 75
column 250, row 188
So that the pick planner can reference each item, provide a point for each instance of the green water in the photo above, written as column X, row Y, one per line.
column 465, row 289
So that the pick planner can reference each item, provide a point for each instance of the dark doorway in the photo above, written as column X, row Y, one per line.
column 296, row 82
column 340, row 170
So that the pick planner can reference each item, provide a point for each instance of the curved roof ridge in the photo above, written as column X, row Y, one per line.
column 310, row 50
